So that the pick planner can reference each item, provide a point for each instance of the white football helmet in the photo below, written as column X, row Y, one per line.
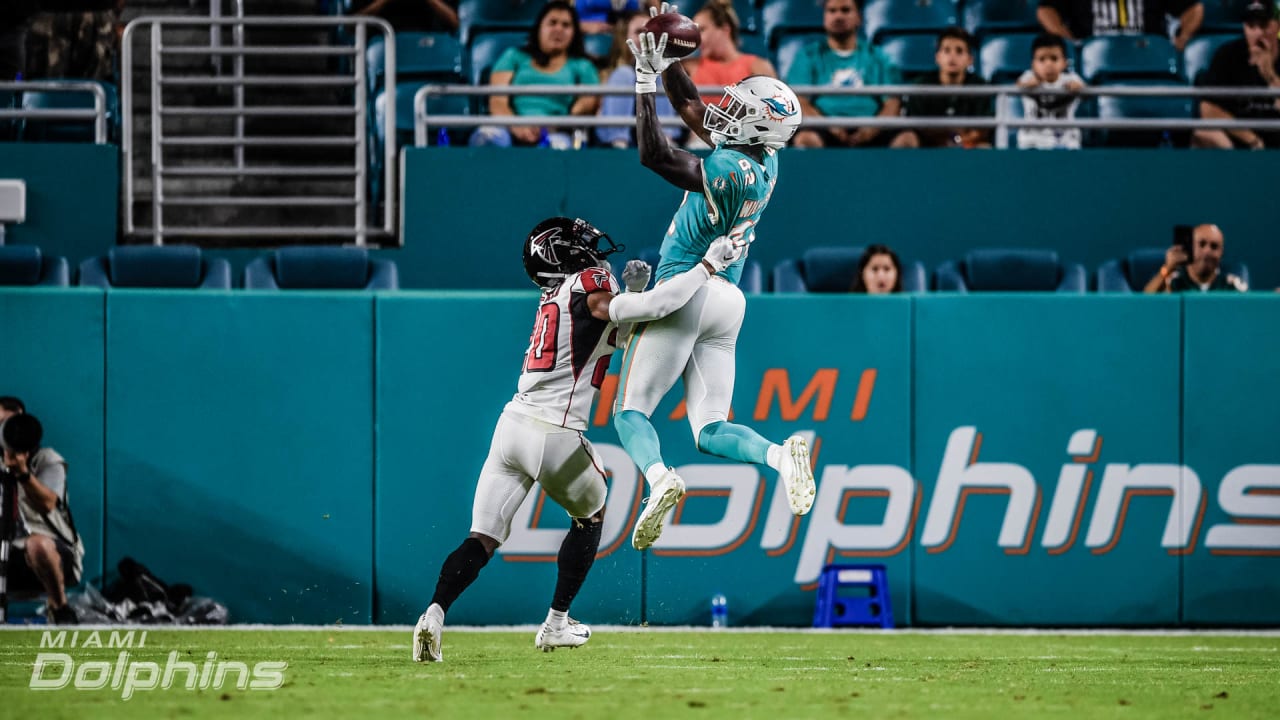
column 757, row 110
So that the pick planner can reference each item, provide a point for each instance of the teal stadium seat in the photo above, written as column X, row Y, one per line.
column 25, row 265
column 598, row 45
column 1002, row 58
column 748, row 16
column 476, row 16
column 485, row 50
column 789, row 17
column 1223, row 15
column 913, row 55
column 1010, row 270
column 754, row 45
column 831, row 270
column 419, row 55
column 436, row 105
column 319, row 267
column 1131, row 274
column 985, row 17
column 1198, row 54
column 38, row 130
column 789, row 48
column 884, row 17
column 1109, row 107
column 155, row 266
column 1130, row 57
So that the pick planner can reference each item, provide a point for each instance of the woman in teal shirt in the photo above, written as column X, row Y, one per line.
column 553, row 55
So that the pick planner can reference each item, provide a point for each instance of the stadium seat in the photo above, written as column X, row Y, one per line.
column 748, row 16
column 1223, row 15
column 39, row 130
column 476, row 16
column 1003, row 58
column 787, row 17
column 753, row 45
column 485, row 51
column 882, row 17
column 26, row 265
column 983, row 17
column 419, row 55
column 1136, row 57
column 913, row 55
column 789, row 48
column 156, row 266
column 598, row 45
column 1109, row 107
column 320, row 268
column 1199, row 54
column 831, row 270
column 8, row 126
column 436, row 105
column 1131, row 274
column 1010, row 270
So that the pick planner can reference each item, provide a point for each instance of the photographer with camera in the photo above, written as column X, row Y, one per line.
column 1194, row 263
column 48, row 552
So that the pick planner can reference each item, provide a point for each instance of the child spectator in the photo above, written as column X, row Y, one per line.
column 1049, row 72
column 879, row 272
column 954, row 56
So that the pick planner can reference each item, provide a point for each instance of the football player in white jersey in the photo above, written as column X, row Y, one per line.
column 539, row 436
column 726, row 193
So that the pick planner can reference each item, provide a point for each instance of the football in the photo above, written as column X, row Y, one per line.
column 683, row 35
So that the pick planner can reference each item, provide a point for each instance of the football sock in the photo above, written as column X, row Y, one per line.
column 736, row 442
column 577, row 554
column 774, row 457
column 638, row 438
column 460, row 569
column 557, row 619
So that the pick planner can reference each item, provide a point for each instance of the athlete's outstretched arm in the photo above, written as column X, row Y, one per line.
column 684, row 97
column 678, row 167
column 668, row 297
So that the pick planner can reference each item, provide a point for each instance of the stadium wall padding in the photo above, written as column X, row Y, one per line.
column 465, row 210
column 1012, row 459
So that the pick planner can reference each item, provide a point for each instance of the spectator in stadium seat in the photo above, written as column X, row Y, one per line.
column 413, row 15
column 719, row 62
column 553, row 55
column 620, row 72
column 879, row 272
column 49, row 553
column 1201, row 272
column 1249, row 61
column 842, row 60
column 73, row 39
column 1079, row 19
column 1049, row 72
column 954, row 56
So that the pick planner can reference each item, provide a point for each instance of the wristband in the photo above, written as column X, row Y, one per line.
column 646, row 83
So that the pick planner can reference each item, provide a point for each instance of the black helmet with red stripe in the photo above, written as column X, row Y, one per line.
column 559, row 247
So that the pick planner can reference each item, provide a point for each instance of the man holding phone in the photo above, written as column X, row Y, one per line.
column 1195, row 263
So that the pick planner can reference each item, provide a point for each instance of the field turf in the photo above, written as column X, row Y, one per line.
column 651, row 674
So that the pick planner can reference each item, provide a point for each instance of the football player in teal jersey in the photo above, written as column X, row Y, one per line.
column 725, row 195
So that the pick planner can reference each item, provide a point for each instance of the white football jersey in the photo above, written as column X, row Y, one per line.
column 568, row 355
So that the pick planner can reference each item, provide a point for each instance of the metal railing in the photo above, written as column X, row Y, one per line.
column 97, row 115
column 162, row 168
column 1003, row 121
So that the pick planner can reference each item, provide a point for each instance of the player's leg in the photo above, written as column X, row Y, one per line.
column 655, row 358
column 708, row 382
column 575, row 478
column 504, row 483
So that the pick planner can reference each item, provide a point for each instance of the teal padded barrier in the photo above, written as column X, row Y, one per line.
column 240, row 448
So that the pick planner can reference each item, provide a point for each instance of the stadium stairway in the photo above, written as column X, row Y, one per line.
column 222, row 96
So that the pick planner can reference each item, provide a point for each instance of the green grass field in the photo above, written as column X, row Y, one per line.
column 656, row 675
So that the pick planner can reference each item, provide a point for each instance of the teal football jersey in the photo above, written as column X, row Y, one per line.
column 735, row 191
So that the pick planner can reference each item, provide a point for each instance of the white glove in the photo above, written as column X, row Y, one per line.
column 723, row 253
column 635, row 276
column 650, row 61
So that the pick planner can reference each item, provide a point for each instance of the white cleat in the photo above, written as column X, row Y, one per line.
column 574, row 634
column 426, row 635
column 666, row 492
column 797, row 475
